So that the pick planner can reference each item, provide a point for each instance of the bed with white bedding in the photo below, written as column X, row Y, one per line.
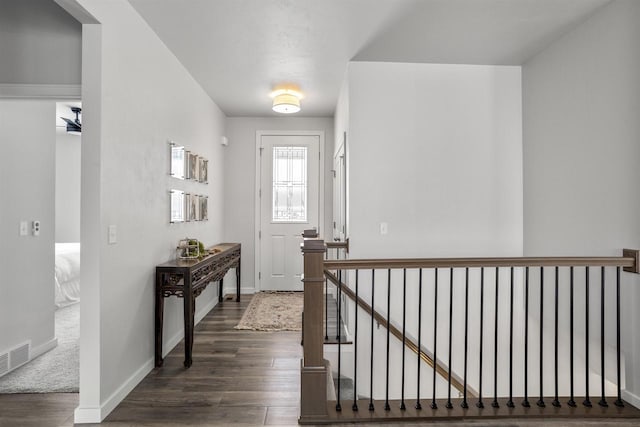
column 67, row 274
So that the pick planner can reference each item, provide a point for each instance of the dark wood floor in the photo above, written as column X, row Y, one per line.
column 37, row 410
column 237, row 378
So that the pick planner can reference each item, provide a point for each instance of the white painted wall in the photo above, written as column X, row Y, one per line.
column 581, row 152
column 240, row 180
column 136, row 96
column 435, row 151
column 43, row 40
column 67, row 184
column 27, row 172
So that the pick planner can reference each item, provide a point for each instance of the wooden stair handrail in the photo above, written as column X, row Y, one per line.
column 456, row 381
column 629, row 261
column 344, row 245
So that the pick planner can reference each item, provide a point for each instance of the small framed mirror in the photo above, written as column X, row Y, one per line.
column 204, row 170
column 177, row 206
column 193, row 205
column 191, row 165
column 177, row 156
column 204, row 208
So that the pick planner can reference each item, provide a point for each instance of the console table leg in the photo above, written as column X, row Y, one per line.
column 238, row 281
column 220, row 289
column 188, row 322
column 159, row 320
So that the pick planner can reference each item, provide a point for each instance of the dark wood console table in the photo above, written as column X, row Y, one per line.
column 187, row 279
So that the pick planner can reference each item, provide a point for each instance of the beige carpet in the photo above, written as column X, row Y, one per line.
column 273, row 311
column 56, row 371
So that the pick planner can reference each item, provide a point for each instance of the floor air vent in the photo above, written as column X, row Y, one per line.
column 19, row 356
column 4, row 364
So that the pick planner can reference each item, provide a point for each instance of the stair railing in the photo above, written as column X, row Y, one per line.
column 315, row 407
column 335, row 250
column 412, row 344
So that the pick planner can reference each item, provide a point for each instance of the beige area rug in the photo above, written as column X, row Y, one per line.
column 273, row 311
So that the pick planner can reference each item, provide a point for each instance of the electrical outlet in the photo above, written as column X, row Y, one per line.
column 36, row 228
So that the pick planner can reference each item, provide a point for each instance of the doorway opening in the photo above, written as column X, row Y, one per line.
column 67, row 240
column 53, row 367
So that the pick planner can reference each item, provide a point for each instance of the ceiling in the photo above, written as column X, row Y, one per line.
column 238, row 50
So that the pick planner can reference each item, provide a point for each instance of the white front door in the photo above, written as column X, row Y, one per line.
column 289, row 203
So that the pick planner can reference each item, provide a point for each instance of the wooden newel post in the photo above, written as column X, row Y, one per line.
column 313, row 374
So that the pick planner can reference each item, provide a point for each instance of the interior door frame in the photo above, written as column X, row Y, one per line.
column 340, row 151
column 258, row 205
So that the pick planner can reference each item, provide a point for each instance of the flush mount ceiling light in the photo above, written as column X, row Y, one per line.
column 286, row 101
column 74, row 127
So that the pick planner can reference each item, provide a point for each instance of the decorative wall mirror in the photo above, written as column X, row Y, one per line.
column 177, row 206
column 191, row 165
column 204, row 208
column 193, row 205
column 204, row 170
column 177, row 156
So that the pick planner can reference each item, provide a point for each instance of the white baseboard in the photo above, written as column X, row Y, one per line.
column 179, row 336
column 86, row 415
column 231, row 290
column 631, row 398
column 43, row 348
column 96, row 415
column 199, row 315
column 122, row 391
column 171, row 343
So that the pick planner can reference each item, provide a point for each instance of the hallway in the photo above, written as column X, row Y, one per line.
column 237, row 378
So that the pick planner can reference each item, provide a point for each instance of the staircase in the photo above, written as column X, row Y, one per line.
column 469, row 308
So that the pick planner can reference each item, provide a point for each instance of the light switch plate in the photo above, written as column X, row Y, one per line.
column 113, row 235
column 384, row 228
column 24, row 228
